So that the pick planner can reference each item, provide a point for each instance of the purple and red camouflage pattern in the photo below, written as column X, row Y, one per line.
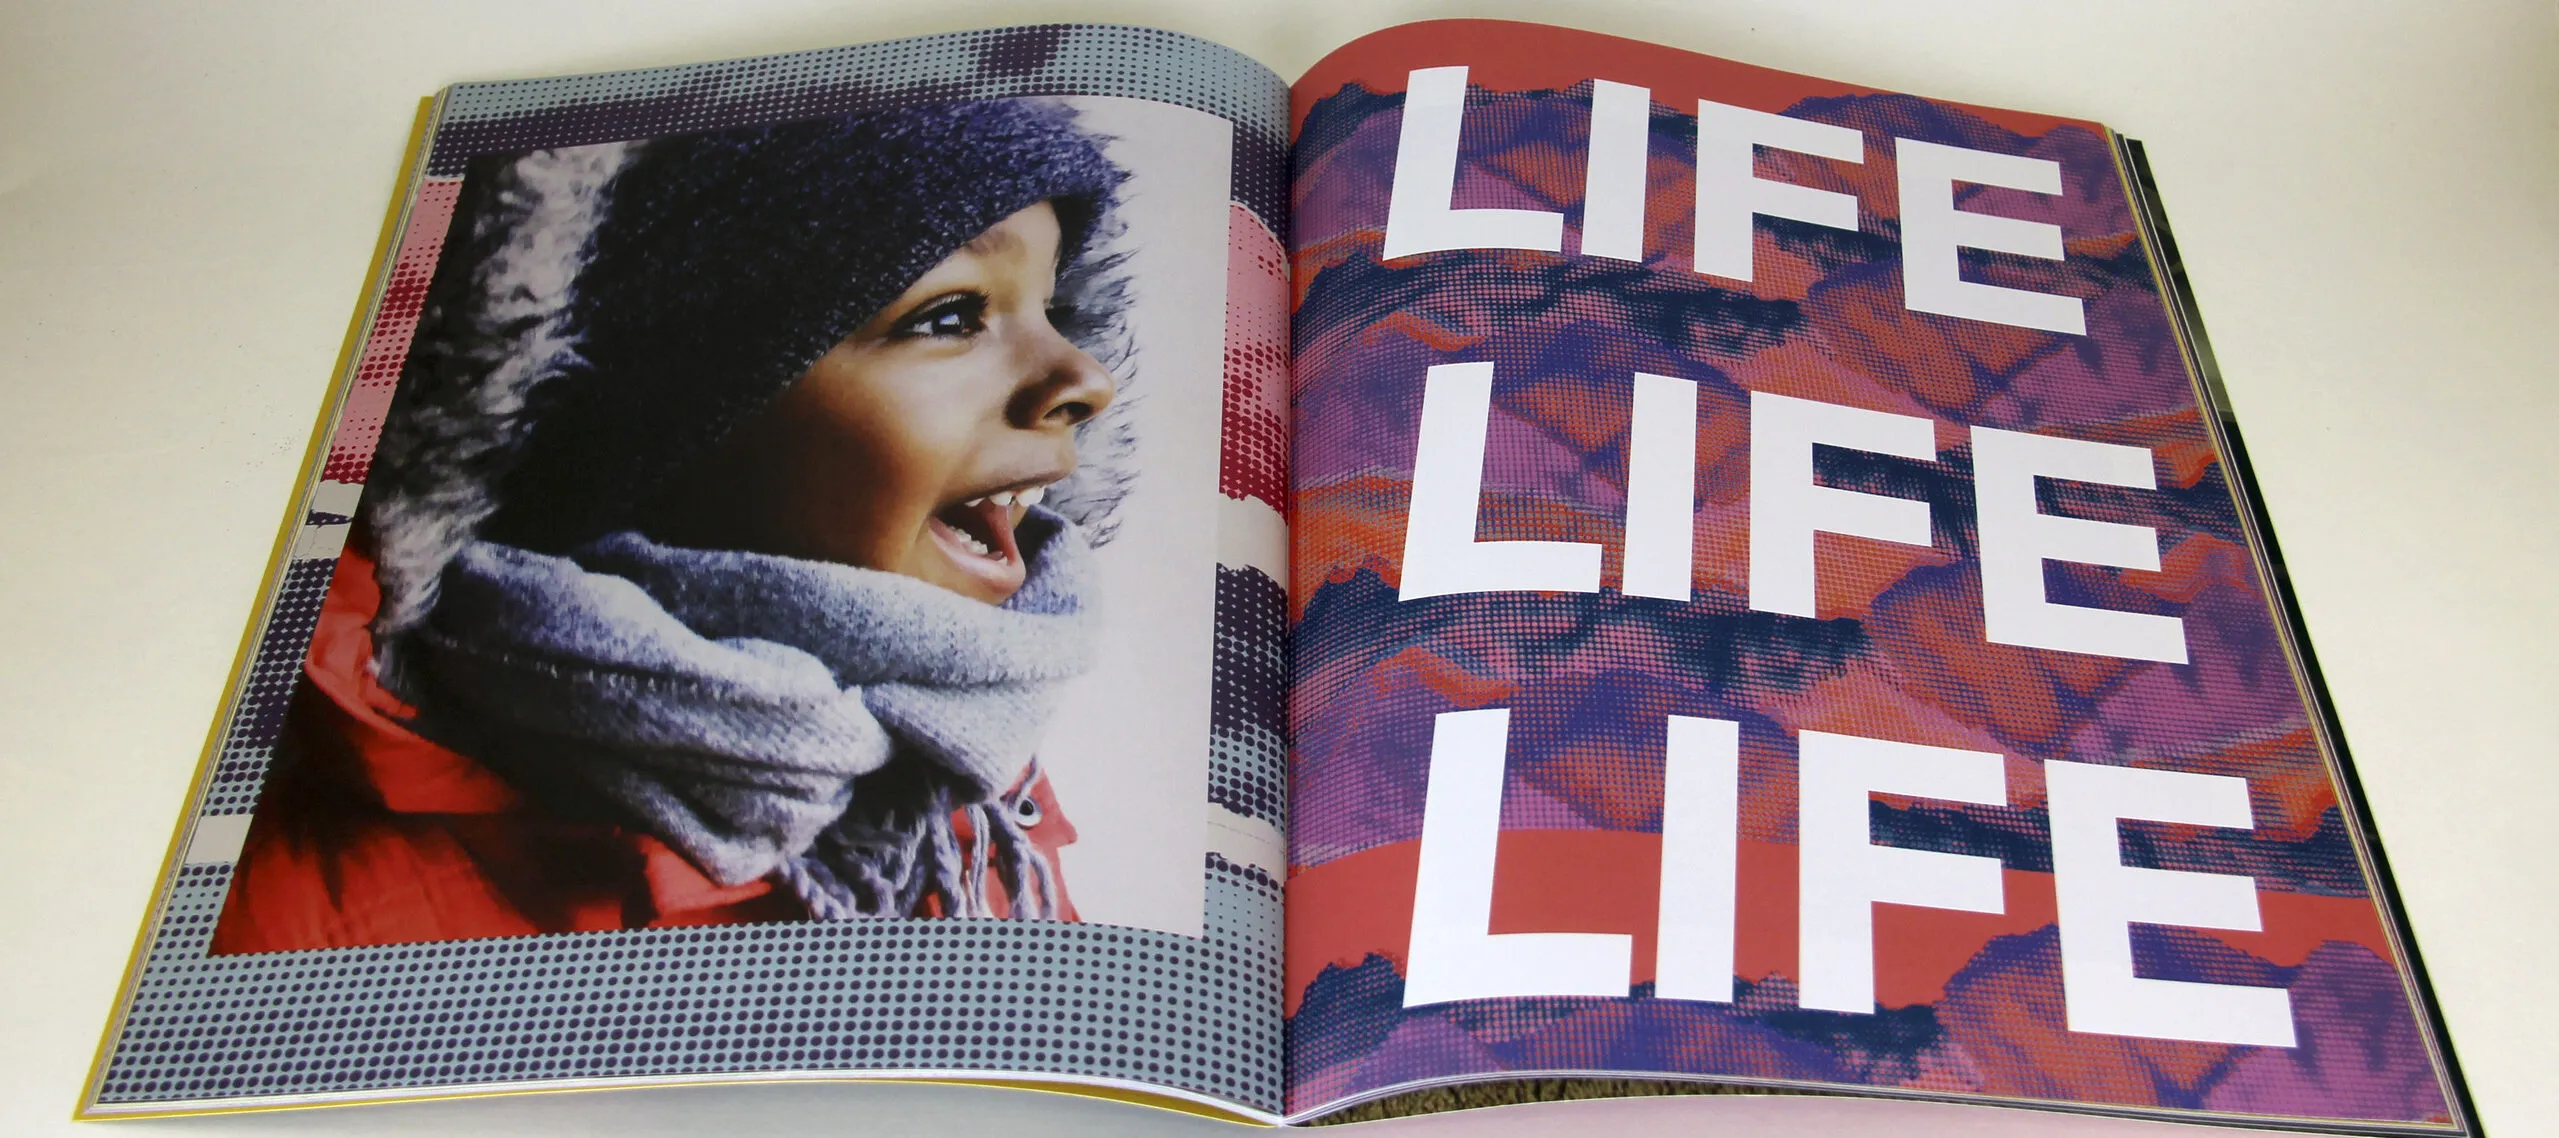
column 1898, row 652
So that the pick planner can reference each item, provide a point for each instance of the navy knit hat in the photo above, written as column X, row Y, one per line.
column 604, row 315
column 727, row 263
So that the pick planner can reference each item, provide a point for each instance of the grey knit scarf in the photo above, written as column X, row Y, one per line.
column 767, row 716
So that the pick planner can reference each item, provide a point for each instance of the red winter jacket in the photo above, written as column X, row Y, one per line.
column 375, row 835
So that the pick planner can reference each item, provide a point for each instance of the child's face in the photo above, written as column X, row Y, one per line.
column 912, row 446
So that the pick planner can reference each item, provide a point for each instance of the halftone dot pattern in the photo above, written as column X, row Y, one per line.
column 1251, row 878
column 1255, row 463
column 943, row 995
column 1898, row 650
column 1240, row 777
column 1248, row 757
column 2004, row 1004
column 1248, row 749
column 837, row 997
column 815, row 996
column 1057, row 59
column 1588, row 679
column 386, row 342
column 241, row 769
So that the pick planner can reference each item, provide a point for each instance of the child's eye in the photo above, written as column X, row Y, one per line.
column 950, row 316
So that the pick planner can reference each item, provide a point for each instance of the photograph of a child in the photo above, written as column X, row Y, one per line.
column 739, row 540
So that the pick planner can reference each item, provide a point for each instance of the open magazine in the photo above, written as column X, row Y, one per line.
column 1052, row 557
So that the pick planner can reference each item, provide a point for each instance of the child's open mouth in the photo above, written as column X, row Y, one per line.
column 977, row 536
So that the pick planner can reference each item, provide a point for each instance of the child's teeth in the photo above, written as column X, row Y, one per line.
column 1001, row 497
column 974, row 503
column 1032, row 496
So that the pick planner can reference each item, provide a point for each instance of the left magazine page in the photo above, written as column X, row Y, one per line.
column 785, row 587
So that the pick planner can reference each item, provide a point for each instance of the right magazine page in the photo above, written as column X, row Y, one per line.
column 1773, row 603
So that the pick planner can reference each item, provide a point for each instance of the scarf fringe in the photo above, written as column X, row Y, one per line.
column 893, row 881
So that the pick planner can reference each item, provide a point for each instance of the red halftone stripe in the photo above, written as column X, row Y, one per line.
column 1254, row 443
column 386, row 346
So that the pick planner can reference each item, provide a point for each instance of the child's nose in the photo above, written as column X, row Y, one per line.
column 1065, row 387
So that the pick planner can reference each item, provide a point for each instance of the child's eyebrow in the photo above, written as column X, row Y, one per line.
column 993, row 241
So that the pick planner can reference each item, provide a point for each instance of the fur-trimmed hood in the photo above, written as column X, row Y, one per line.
column 603, row 315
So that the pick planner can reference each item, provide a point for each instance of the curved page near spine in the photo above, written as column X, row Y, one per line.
column 1170, row 751
column 1899, row 907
